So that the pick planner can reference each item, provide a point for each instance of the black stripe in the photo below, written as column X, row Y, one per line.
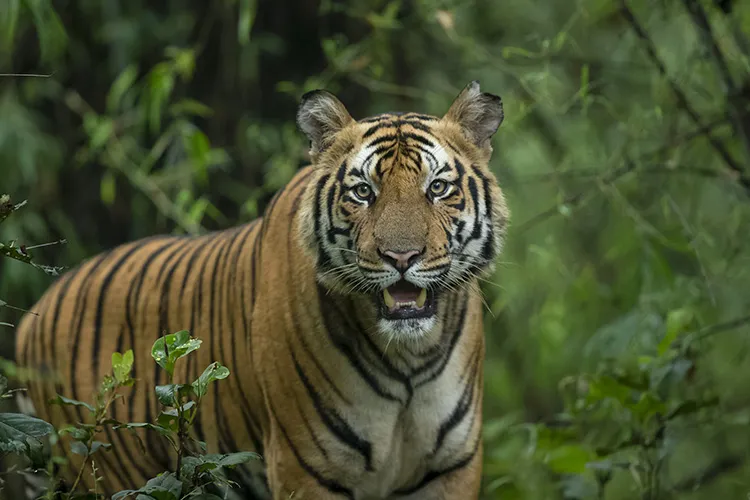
column 335, row 422
column 324, row 259
column 434, row 474
column 445, row 357
column 418, row 138
column 245, row 407
column 220, row 282
column 346, row 350
column 463, row 405
column 329, row 484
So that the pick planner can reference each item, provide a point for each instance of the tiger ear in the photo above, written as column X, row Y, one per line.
column 478, row 113
column 320, row 116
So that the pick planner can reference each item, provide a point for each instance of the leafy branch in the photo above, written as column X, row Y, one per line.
column 682, row 100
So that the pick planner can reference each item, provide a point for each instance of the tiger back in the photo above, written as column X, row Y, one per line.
column 349, row 315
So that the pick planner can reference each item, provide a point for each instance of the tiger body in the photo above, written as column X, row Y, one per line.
column 347, row 391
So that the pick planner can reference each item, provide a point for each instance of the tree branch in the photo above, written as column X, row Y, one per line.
column 709, row 473
column 731, row 92
column 682, row 100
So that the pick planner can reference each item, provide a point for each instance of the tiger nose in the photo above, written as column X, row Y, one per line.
column 401, row 260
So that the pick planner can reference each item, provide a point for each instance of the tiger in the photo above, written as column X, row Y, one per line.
column 350, row 315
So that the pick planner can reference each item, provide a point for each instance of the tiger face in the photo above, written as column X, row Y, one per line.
column 402, row 207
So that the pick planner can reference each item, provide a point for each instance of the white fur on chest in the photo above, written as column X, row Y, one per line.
column 410, row 442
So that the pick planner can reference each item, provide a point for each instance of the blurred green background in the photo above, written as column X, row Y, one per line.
column 617, row 319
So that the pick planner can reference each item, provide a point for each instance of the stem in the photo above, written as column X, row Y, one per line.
column 98, row 422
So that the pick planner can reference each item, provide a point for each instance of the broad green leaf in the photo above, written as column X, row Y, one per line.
column 170, row 394
column 214, row 371
column 62, row 400
column 163, row 487
column 167, row 394
column 79, row 448
column 77, row 433
column 678, row 321
column 569, row 459
column 168, row 420
column 122, row 364
column 23, row 432
column 98, row 445
column 168, row 349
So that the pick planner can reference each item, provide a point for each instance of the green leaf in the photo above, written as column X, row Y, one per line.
column 168, row 420
column 190, row 107
column 232, row 459
column 9, row 14
column 246, row 20
column 121, row 85
column 3, row 380
column 205, row 463
column 171, row 394
column 101, row 133
column 690, row 406
column 77, row 433
column 107, row 188
column 214, row 371
column 20, row 426
column 163, row 487
column 79, row 448
column 168, row 349
column 62, row 400
column 122, row 365
column 50, row 30
column 678, row 321
column 144, row 425
column 569, row 459
column 22, row 434
column 98, row 445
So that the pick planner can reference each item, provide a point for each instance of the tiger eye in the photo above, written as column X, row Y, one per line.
column 438, row 187
column 363, row 191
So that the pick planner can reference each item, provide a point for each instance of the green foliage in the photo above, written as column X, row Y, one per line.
column 618, row 315
column 197, row 474
column 22, row 434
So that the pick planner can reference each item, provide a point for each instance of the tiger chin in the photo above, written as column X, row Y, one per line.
column 350, row 316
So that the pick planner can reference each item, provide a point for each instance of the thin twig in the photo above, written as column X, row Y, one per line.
column 42, row 245
column 26, row 75
column 720, row 327
column 700, row 19
column 708, row 331
column 577, row 198
column 711, row 472
column 682, row 99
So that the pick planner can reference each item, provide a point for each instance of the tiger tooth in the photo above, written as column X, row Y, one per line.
column 422, row 298
column 388, row 299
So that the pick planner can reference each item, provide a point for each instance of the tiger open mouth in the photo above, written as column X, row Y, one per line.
column 404, row 300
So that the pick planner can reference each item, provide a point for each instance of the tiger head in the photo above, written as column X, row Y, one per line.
column 402, row 207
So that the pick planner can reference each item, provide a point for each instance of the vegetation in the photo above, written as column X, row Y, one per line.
column 617, row 320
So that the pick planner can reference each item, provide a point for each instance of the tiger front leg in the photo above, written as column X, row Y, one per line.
column 461, row 483
column 296, row 474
